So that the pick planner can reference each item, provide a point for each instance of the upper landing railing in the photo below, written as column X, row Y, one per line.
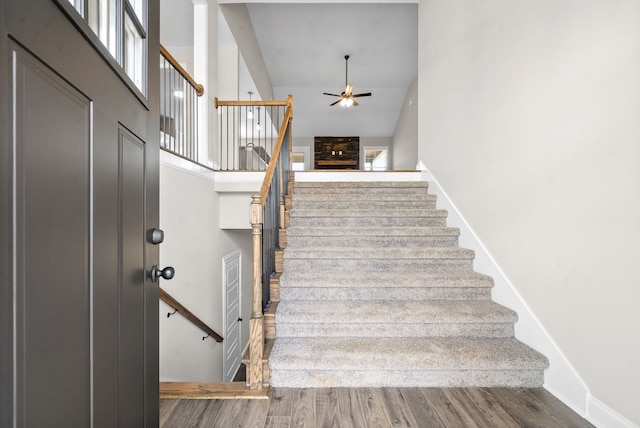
column 179, row 94
column 247, row 133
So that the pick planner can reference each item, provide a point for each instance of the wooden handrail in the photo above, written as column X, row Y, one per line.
column 184, row 73
column 171, row 301
column 266, row 183
column 252, row 103
column 255, row 371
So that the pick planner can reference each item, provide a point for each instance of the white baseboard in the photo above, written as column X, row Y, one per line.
column 602, row 415
column 561, row 379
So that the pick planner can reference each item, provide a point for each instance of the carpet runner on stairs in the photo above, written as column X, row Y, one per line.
column 376, row 292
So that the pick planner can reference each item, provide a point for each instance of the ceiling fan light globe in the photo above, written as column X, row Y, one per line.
column 349, row 102
column 344, row 102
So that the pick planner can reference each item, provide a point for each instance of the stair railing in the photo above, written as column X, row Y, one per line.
column 267, row 217
column 179, row 94
column 247, row 133
column 182, row 310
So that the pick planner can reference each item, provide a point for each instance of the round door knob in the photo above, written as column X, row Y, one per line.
column 166, row 273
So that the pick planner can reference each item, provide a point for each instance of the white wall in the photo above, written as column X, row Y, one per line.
column 405, row 136
column 176, row 23
column 304, row 142
column 239, row 21
column 194, row 245
column 529, row 121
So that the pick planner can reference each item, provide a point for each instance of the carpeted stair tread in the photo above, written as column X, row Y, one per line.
column 371, row 241
column 300, row 237
column 360, row 213
column 384, row 353
column 369, row 204
column 423, row 197
column 342, row 253
column 412, row 259
column 338, row 231
column 398, row 362
column 403, row 312
column 344, row 185
column 370, row 221
column 390, row 286
column 385, row 279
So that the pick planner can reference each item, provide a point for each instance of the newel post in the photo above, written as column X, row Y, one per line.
column 256, row 328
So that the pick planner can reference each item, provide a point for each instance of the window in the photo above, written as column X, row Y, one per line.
column 120, row 26
column 133, row 50
column 297, row 161
column 375, row 158
column 103, row 21
column 300, row 158
column 78, row 5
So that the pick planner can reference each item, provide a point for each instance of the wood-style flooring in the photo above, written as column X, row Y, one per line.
column 378, row 407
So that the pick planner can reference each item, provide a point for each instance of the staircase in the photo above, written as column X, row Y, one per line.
column 376, row 292
column 254, row 158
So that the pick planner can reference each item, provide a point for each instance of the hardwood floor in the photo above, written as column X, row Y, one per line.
column 378, row 407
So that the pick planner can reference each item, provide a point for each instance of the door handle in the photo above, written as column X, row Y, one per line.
column 166, row 273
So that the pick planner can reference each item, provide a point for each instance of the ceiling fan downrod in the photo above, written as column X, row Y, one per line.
column 346, row 70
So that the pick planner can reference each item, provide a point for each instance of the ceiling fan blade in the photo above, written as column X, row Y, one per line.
column 333, row 95
column 332, row 104
column 347, row 91
column 355, row 103
column 367, row 94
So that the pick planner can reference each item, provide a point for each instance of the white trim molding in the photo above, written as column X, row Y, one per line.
column 561, row 378
column 602, row 415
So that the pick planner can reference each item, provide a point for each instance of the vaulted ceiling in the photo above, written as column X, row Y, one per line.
column 303, row 47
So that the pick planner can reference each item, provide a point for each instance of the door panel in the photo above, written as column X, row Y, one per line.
column 78, row 193
column 231, row 346
column 53, row 293
column 131, row 279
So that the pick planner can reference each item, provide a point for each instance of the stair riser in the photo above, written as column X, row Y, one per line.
column 399, row 253
column 362, row 188
column 365, row 212
column 369, row 221
column 406, row 378
column 386, row 293
column 377, row 265
column 364, row 279
column 322, row 329
column 368, row 204
column 339, row 197
column 355, row 241
column 361, row 184
column 369, row 193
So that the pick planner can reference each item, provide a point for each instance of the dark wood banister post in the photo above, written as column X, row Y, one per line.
column 256, row 325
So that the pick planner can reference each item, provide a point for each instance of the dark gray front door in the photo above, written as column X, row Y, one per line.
column 78, row 198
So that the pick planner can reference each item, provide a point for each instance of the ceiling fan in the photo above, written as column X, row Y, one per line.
column 347, row 98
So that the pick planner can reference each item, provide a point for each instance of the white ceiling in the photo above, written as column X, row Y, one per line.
column 303, row 46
